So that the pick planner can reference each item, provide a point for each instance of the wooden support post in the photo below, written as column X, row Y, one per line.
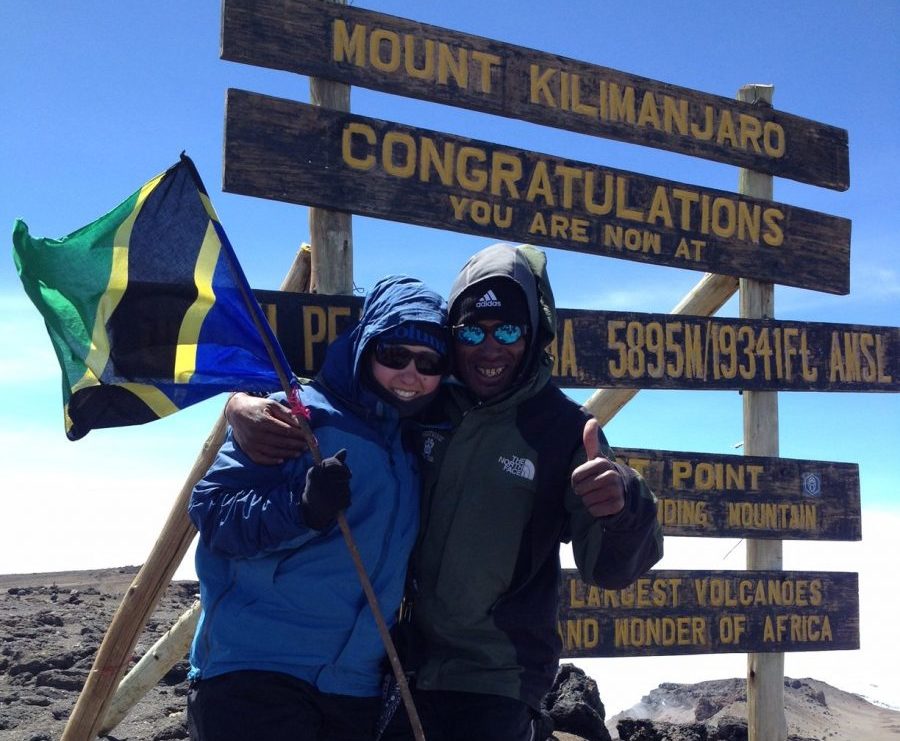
column 138, row 604
column 331, row 231
column 171, row 648
column 298, row 279
column 765, row 671
column 705, row 299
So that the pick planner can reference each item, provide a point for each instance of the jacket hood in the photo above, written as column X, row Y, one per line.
column 392, row 301
column 527, row 266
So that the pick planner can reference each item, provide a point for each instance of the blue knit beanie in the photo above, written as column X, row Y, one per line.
column 417, row 333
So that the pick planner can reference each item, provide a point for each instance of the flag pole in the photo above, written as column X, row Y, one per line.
column 301, row 414
column 332, row 272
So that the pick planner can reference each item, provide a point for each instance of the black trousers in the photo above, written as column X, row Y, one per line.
column 467, row 716
column 268, row 706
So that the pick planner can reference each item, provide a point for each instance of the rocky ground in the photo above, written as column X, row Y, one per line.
column 717, row 711
column 52, row 624
column 50, row 628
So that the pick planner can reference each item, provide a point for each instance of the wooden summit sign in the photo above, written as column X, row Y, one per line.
column 629, row 349
column 383, row 52
column 704, row 612
column 609, row 349
column 740, row 496
column 289, row 151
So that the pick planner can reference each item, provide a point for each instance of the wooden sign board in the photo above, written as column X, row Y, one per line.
column 383, row 52
column 289, row 151
column 738, row 496
column 306, row 323
column 624, row 349
column 706, row 612
column 607, row 349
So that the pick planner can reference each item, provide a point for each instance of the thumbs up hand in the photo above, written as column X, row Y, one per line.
column 597, row 481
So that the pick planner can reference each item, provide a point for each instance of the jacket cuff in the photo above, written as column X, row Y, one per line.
column 640, row 503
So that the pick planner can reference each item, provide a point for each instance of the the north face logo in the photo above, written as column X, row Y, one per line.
column 518, row 467
column 489, row 299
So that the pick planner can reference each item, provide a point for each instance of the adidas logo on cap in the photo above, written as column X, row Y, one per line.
column 489, row 299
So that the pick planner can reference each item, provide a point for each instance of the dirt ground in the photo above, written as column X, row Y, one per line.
column 51, row 626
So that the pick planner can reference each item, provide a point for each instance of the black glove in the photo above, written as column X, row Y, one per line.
column 327, row 491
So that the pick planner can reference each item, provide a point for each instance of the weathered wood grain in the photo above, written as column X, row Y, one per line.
column 704, row 612
column 289, row 151
column 616, row 349
column 400, row 56
column 741, row 496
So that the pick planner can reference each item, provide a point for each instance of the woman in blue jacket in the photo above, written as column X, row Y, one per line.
column 286, row 646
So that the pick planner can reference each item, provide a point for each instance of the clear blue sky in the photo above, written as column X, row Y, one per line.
column 99, row 96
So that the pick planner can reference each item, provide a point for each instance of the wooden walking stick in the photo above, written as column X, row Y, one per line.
column 371, row 597
column 301, row 413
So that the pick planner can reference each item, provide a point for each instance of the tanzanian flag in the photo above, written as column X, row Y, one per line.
column 148, row 308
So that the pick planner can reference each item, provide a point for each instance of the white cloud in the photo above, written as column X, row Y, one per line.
column 97, row 502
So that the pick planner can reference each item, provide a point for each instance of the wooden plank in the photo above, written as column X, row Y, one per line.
column 614, row 349
column 404, row 57
column 330, row 232
column 600, row 349
column 171, row 648
column 765, row 671
column 670, row 612
column 306, row 323
column 704, row 299
column 289, row 151
column 738, row 496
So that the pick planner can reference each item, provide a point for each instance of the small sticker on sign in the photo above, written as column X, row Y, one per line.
column 812, row 484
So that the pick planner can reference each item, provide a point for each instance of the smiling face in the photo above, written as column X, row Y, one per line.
column 490, row 368
column 406, row 384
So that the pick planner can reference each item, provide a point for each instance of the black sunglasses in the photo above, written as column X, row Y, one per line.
column 397, row 357
column 474, row 334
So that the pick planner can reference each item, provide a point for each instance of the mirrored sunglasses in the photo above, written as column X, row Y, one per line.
column 397, row 357
column 474, row 334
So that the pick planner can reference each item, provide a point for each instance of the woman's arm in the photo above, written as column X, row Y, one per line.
column 242, row 509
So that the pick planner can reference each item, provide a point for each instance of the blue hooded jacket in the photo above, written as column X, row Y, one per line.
column 278, row 595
